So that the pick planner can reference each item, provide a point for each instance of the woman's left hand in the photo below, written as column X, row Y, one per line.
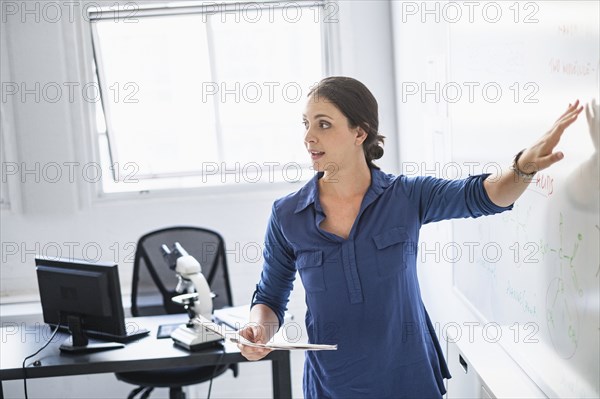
column 540, row 155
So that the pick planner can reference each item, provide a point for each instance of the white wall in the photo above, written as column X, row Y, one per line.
column 45, row 215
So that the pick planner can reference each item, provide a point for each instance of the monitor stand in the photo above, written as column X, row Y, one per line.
column 79, row 343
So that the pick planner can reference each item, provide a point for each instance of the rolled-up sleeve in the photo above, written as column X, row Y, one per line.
column 441, row 199
column 279, row 271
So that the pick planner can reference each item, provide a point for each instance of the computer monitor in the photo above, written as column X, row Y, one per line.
column 86, row 298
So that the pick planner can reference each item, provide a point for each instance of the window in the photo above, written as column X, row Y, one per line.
column 4, row 197
column 197, row 95
column 9, row 169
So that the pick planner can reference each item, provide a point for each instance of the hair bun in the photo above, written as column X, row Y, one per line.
column 376, row 152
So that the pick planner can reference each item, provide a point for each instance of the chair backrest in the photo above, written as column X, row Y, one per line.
column 151, row 271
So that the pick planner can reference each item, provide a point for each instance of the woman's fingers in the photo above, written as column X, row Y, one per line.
column 253, row 334
column 550, row 159
column 252, row 353
column 572, row 116
column 541, row 155
column 248, row 333
column 570, row 108
column 565, row 121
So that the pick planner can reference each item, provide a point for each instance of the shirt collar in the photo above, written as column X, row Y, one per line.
column 308, row 194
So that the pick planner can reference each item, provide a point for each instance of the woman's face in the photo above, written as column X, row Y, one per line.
column 332, row 144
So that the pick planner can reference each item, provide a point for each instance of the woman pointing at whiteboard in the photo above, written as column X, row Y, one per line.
column 351, row 233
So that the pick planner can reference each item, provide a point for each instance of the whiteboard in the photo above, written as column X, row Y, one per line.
column 535, row 270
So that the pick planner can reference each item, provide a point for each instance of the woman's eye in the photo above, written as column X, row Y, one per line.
column 322, row 125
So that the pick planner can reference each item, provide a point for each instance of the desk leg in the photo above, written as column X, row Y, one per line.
column 282, row 377
column 1, row 390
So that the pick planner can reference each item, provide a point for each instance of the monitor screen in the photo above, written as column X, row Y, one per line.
column 83, row 296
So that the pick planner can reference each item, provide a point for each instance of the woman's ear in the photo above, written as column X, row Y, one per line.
column 361, row 135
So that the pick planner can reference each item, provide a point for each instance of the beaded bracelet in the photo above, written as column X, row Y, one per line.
column 519, row 172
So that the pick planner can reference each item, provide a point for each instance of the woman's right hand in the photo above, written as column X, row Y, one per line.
column 257, row 334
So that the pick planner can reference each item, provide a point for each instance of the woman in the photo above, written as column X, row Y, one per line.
column 351, row 233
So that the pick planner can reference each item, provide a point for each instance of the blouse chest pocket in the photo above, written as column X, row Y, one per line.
column 310, row 267
column 393, row 247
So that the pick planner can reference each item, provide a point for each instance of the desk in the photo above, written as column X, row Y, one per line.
column 148, row 353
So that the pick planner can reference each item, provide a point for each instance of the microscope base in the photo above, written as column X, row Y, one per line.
column 195, row 338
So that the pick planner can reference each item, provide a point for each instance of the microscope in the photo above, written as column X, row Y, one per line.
column 195, row 296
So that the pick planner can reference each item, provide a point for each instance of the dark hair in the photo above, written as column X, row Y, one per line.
column 357, row 104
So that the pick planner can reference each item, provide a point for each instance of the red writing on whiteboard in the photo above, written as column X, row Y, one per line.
column 544, row 184
column 568, row 29
column 570, row 68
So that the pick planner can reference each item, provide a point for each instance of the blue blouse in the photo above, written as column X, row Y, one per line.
column 362, row 292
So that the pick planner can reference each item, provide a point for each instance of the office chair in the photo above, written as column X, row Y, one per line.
column 150, row 271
